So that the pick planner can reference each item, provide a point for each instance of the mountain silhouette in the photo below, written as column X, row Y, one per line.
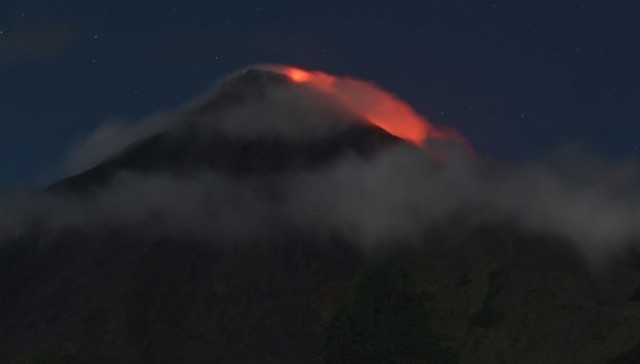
column 469, row 292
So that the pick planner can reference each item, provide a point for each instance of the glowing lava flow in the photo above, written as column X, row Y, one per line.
column 376, row 105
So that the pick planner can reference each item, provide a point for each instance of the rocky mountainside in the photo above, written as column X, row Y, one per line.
column 466, row 293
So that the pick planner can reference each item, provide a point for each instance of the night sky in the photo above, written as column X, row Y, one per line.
column 517, row 78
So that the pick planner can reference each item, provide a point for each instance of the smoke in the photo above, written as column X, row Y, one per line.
column 112, row 137
column 401, row 194
column 397, row 196
column 394, row 196
column 593, row 202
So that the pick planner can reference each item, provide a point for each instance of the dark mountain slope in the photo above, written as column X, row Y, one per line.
column 467, row 293
column 179, row 154
column 483, row 295
column 184, row 148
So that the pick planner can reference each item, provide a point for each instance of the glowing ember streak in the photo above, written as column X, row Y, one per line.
column 373, row 103
column 378, row 106
column 298, row 75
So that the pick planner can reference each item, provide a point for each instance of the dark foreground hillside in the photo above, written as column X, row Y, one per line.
column 490, row 294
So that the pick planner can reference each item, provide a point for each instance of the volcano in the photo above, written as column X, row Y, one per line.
column 158, row 290
column 184, row 148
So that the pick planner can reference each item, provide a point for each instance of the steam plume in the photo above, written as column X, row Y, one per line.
column 392, row 197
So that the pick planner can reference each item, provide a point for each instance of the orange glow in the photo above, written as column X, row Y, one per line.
column 298, row 75
column 374, row 104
